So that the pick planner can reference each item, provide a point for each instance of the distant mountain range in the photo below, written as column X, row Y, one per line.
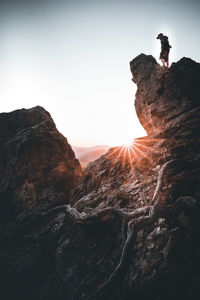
column 87, row 154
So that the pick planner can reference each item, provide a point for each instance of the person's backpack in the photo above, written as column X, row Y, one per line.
column 165, row 42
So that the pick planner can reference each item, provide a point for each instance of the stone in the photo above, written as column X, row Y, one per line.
column 140, row 234
column 34, row 156
column 161, row 221
column 156, row 84
column 107, row 242
column 149, row 245
column 183, row 220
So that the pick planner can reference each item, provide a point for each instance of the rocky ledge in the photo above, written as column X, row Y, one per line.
column 129, row 228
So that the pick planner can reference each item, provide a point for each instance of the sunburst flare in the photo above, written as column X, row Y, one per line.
column 136, row 150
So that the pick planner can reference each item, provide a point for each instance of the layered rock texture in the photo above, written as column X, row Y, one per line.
column 37, row 165
column 130, row 227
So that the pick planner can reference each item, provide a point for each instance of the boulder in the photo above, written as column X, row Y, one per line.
column 38, row 167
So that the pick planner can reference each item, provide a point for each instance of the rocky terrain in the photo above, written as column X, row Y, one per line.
column 38, row 167
column 128, row 228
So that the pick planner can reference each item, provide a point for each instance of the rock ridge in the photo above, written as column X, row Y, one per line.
column 130, row 227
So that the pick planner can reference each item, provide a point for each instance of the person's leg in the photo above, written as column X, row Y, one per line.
column 163, row 61
column 167, row 58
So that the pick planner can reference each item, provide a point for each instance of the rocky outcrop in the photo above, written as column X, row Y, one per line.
column 132, row 229
column 165, row 96
column 38, row 168
column 127, row 176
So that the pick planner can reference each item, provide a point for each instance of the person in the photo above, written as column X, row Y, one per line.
column 165, row 48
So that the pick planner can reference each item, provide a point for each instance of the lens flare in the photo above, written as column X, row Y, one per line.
column 136, row 151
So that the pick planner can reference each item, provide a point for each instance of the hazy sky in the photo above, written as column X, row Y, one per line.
column 72, row 58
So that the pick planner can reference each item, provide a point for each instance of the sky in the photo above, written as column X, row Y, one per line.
column 72, row 57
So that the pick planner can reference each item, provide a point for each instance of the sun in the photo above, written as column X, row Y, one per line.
column 137, row 150
column 128, row 144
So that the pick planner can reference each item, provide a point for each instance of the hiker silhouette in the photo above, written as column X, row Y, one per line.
column 165, row 48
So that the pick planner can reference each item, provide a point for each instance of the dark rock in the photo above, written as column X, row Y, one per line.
column 131, row 230
column 165, row 94
column 38, row 166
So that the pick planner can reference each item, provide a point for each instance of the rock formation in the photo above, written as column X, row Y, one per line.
column 164, row 94
column 37, row 165
column 131, row 230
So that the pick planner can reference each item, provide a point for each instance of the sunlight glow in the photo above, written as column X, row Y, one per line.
column 136, row 150
column 72, row 58
column 129, row 144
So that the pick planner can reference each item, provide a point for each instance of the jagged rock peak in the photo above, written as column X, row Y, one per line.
column 164, row 94
column 142, row 66
column 38, row 167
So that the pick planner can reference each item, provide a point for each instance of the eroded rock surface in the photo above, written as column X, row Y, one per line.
column 132, row 229
column 38, row 168
column 164, row 96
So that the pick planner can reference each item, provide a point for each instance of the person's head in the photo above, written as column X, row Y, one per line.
column 160, row 36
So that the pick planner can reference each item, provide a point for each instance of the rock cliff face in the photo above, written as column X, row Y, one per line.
column 164, row 95
column 131, row 230
column 37, row 165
